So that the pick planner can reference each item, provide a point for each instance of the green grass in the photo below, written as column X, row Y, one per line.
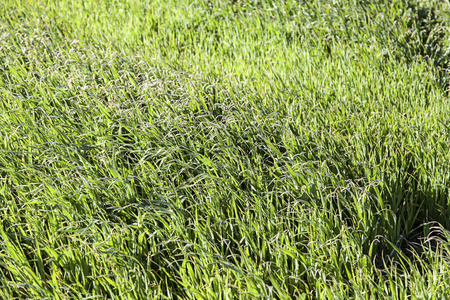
column 250, row 149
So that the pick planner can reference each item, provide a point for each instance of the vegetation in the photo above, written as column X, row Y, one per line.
column 224, row 149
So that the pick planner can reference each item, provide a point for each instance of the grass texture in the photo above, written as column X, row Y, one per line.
column 252, row 149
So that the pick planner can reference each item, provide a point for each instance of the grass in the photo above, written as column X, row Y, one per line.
column 224, row 149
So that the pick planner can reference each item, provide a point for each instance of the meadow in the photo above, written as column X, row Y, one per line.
column 224, row 149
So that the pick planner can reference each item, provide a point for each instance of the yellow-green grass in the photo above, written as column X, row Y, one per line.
column 224, row 149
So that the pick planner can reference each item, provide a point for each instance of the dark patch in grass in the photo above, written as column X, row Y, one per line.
column 425, row 39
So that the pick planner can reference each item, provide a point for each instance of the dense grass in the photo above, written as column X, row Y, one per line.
column 224, row 149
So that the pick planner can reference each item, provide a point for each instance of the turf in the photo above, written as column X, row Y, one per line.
column 250, row 149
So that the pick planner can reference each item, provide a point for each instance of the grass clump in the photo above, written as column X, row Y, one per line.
column 224, row 150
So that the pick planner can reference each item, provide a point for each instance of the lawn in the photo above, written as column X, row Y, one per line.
column 214, row 149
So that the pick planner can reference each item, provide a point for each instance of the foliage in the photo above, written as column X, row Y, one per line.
column 224, row 149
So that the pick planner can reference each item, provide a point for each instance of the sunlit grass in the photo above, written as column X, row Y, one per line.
column 224, row 149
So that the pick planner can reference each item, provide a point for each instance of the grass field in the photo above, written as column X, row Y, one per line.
column 252, row 149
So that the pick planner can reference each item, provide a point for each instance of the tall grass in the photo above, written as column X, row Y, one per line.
column 224, row 149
